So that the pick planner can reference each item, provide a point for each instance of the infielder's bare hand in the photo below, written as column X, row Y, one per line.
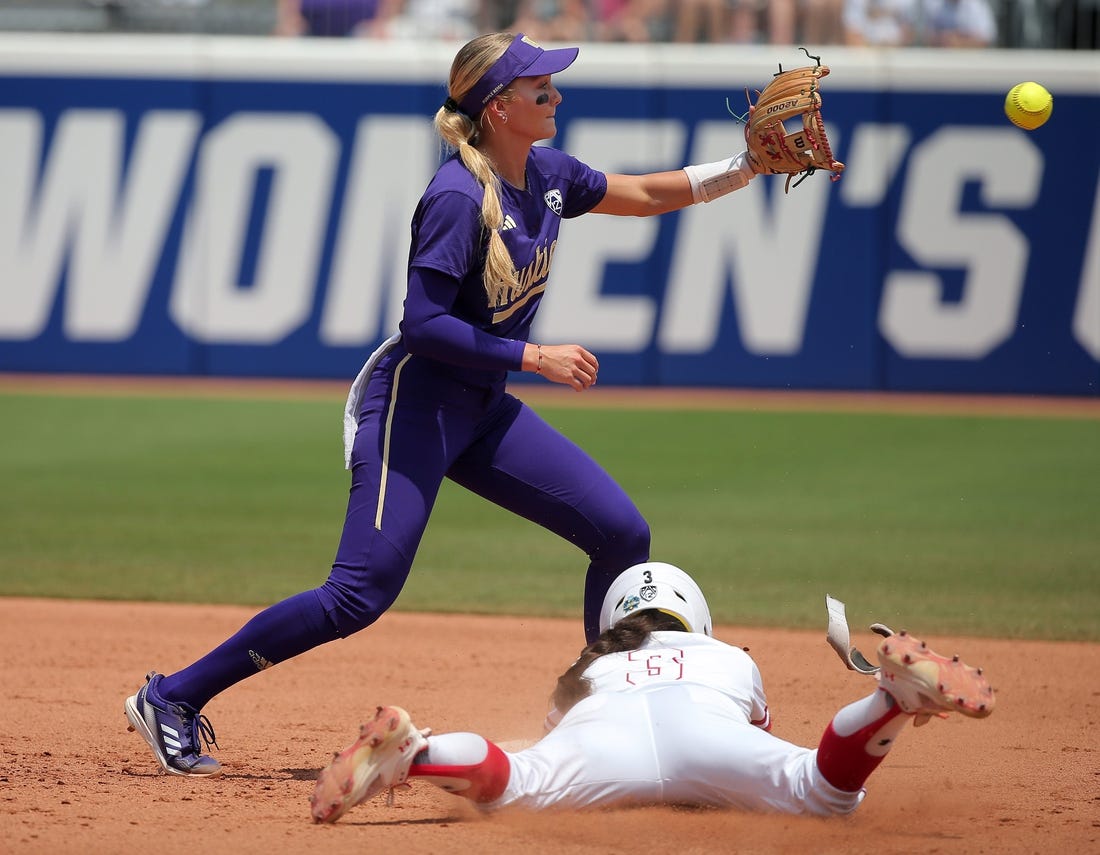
column 568, row 364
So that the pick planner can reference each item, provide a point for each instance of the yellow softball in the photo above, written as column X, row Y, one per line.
column 1028, row 105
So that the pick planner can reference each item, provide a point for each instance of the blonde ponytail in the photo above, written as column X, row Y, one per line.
column 459, row 132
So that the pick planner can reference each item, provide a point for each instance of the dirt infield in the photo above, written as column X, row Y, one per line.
column 74, row 780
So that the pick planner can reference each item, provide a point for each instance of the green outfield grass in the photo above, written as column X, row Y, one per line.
column 967, row 525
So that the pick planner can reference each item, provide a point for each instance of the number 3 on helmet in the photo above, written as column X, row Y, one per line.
column 655, row 585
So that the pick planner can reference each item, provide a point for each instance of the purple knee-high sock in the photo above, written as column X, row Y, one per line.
column 278, row 633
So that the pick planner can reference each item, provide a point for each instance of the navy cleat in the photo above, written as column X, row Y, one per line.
column 173, row 731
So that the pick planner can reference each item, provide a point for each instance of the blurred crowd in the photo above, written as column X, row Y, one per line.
column 968, row 23
column 1043, row 24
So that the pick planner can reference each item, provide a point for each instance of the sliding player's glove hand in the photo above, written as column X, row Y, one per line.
column 772, row 150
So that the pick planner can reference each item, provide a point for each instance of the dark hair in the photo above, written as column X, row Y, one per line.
column 630, row 633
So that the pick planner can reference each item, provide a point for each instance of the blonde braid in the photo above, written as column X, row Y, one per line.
column 459, row 132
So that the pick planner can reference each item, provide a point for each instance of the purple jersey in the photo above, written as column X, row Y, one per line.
column 448, row 238
column 431, row 404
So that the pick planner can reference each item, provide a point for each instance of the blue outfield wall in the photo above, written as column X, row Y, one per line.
column 205, row 206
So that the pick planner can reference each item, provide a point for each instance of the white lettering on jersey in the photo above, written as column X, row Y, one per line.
column 654, row 666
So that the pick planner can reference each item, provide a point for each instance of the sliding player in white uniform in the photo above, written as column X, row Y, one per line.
column 658, row 711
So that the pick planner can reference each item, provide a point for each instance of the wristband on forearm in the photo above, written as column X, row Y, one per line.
column 709, row 181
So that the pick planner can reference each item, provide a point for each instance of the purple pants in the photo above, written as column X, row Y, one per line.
column 418, row 426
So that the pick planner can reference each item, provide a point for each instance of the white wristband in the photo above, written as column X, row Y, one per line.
column 709, row 181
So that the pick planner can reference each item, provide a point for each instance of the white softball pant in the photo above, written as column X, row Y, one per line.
column 674, row 744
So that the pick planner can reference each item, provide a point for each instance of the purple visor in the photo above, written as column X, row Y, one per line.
column 523, row 58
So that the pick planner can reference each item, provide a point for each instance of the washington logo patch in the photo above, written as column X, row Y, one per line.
column 648, row 592
column 553, row 201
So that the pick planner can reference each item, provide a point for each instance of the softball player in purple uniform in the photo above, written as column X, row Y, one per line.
column 658, row 711
column 431, row 402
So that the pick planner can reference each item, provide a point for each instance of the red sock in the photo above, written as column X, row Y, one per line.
column 479, row 782
column 847, row 762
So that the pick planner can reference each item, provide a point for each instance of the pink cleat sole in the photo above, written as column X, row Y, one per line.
column 925, row 683
column 378, row 760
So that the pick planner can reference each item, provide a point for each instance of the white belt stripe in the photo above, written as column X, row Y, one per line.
column 386, row 443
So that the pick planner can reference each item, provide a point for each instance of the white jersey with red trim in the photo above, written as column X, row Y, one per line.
column 686, row 658
column 671, row 722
